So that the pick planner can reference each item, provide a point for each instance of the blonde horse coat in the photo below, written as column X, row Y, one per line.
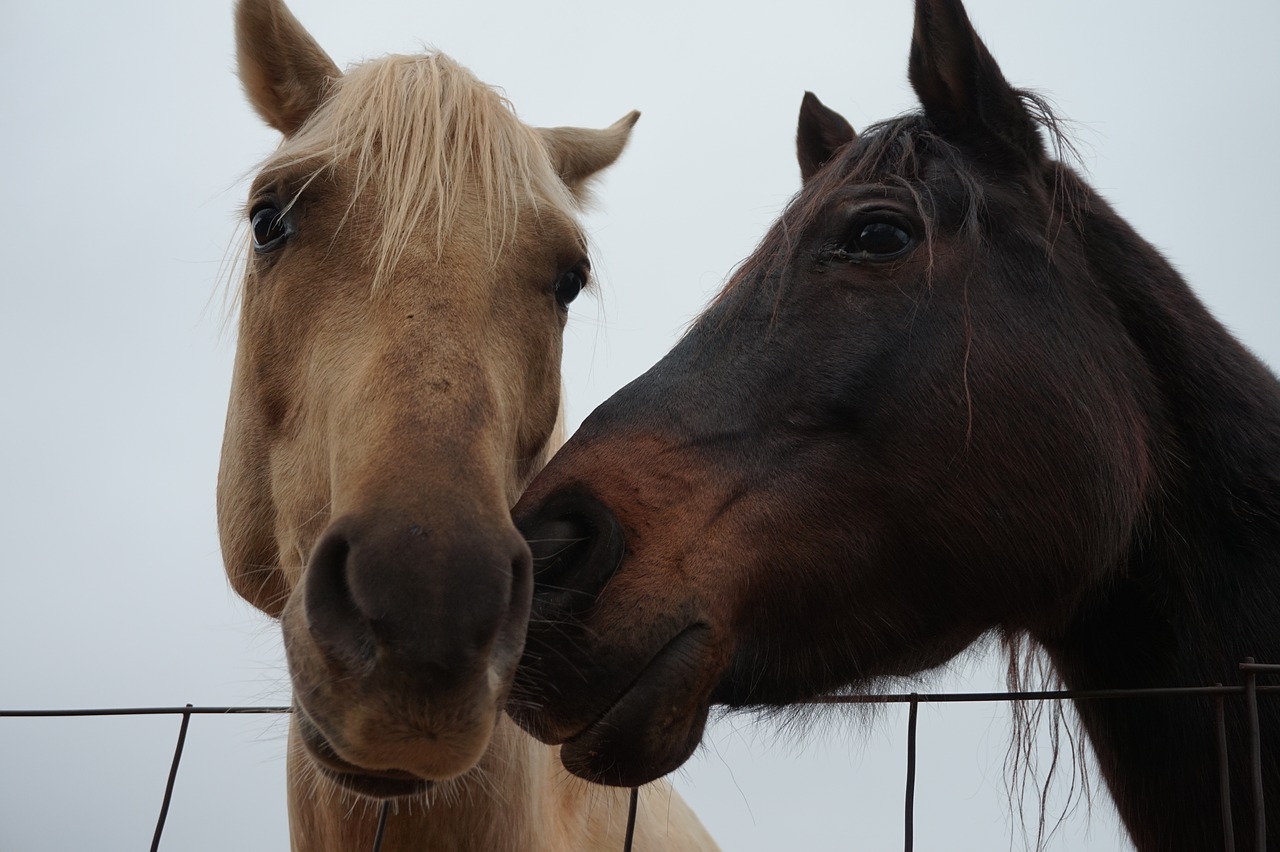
column 396, row 386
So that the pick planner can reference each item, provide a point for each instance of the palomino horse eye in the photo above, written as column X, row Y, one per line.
column 881, row 239
column 270, row 228
column 568, row 286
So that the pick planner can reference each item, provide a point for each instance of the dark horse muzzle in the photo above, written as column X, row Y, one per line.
column 625, row 712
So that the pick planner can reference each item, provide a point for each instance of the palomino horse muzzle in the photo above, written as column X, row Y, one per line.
column 426, row 624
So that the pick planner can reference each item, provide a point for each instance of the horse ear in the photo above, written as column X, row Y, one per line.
column 578, row 153
column 819, row 134
column 285, row 73
column 962, row 89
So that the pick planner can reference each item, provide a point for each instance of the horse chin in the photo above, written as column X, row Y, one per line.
column 375, row 782
column 655, row 725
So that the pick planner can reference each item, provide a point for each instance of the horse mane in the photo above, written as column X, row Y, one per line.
column 422, row 134
column 1028, row 668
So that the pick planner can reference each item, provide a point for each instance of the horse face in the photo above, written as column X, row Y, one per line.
column 396, row 385
column 901, row 425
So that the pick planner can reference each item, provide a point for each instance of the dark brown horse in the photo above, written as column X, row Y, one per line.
column 951, row 393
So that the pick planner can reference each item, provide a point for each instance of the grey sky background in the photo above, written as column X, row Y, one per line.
column 126, row 146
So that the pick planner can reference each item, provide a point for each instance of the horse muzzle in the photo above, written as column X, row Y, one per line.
column 402, row 640
column 619, row 680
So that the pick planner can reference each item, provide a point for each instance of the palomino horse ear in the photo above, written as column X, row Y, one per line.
column 578, row 153
column 285, row 73
column 821, row 132
column 962, row 90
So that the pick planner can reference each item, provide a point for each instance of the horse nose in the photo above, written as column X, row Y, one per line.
column 404, row 597
column 577, row 545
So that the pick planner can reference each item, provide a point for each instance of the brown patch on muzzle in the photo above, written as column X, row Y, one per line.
column 622, row 654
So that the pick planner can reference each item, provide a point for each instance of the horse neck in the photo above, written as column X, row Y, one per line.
column 1200, row 589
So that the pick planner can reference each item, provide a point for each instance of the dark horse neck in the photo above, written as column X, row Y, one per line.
column 1201, row 588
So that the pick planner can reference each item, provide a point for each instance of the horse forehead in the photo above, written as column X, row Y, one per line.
column 893, row 168
column 430, row 142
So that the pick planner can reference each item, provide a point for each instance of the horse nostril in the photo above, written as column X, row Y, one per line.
column 382, row 600
column 577, row 545
column 335, row 620
column 559, row 545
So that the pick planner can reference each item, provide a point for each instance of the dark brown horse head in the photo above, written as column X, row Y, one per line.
column 951, row 392
column 900, row 425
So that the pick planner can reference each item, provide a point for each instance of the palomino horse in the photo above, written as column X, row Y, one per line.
column 396, row 384
column 952, row 392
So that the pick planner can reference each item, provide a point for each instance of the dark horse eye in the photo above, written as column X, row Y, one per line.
column 270, row 228
column 880, row 239
column 568, row 286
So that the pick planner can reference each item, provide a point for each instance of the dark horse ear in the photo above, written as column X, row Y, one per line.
column 962, row 90
column 820, row 133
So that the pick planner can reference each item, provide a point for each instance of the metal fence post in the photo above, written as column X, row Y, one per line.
column 382, row 825
column 632, row 807
column 909, row 832
column 1224, row 776
column 1255, row 754
column 173, row 776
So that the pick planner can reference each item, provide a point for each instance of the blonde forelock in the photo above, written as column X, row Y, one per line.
column 418, row 131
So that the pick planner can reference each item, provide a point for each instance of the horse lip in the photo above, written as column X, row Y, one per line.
column 377, row 785
column 374, row 783
column 632, row 742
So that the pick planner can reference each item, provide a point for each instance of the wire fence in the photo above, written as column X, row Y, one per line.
column 1248, row 691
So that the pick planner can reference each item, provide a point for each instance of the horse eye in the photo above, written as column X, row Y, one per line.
column 881, row 239
column 270, row 228
column 568, row 286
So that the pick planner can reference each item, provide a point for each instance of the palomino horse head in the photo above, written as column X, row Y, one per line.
column 951, row 392
column 396, row 384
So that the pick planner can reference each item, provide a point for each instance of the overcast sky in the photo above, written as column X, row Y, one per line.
column 126, row 145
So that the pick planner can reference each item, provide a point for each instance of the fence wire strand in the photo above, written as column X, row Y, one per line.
column 1249, row 691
